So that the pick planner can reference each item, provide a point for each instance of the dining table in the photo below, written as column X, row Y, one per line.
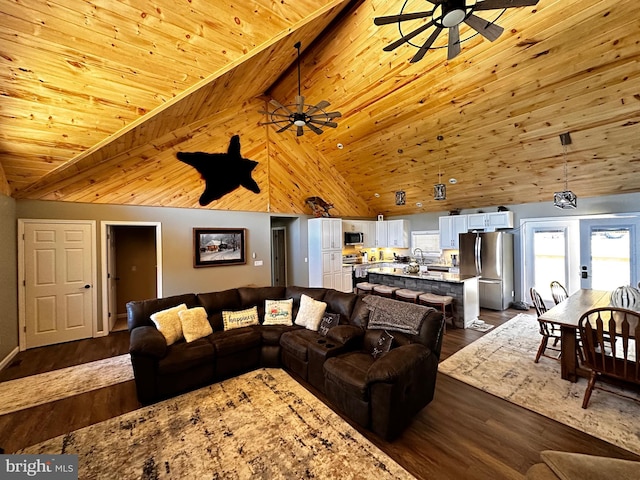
column 566, row 315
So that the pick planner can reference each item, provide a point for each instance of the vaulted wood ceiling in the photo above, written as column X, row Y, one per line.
column 98, row 96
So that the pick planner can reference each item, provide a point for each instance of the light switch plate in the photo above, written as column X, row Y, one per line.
column 257, row 263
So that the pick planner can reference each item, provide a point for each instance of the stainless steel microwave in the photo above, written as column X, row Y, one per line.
column 353, row 238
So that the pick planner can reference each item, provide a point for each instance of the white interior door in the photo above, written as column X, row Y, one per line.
column 58, row 268
column 608, row 253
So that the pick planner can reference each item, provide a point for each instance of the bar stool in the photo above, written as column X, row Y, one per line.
column 385, row 290
column 440, row 302
column 365, row 288
column 407, row 295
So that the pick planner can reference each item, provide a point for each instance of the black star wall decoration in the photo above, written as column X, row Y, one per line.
column 222, row 172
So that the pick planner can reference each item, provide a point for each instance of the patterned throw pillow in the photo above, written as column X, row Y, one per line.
column 329, row 320
column 310, row 313
column 383, row 345
column 241, row 318
column 278, row 312
column 168, row 323
column 195, row 324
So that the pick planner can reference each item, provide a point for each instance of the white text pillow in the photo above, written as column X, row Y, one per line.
column 168, row 323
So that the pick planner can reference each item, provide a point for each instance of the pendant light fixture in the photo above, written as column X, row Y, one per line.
column 566, row 199
column 439, row 189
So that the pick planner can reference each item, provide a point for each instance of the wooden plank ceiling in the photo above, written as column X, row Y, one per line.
column 98, row 96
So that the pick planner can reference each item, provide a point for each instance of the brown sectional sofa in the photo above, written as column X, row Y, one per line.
column 401, row 382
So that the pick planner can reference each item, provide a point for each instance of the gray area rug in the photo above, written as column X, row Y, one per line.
column 262, row 424
column 501, row 363
column 55, row 385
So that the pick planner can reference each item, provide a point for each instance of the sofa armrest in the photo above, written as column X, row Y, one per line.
column 396, row 363
column 344, row 333
column 147, row 341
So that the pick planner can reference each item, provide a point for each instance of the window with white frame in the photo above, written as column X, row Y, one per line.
column 428, row 242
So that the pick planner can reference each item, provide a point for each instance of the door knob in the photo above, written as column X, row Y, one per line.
column 87, row 286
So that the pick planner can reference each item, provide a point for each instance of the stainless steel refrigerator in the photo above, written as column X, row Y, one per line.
column 489, row 256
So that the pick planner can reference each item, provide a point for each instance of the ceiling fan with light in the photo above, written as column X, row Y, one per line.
column 449, row 14
column 299, row 114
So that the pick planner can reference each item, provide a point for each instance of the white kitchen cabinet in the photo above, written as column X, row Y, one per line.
column 450, row 228
column 325, row 253
column 347, row 279
column 382, row 234
column 398, row 233
column 369, row 234
column 489, row 221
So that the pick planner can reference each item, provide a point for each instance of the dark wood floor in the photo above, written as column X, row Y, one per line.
column 463, row 433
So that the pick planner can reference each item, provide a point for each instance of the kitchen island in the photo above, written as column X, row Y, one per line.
column 463, row 289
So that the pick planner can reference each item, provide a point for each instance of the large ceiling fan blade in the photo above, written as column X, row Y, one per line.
column 300, row 131
column 425, row 47
column 314, row 129
column 322, row 124
column 401, row 18
column 453, row 49
column 277, row 104
column 495, row 4
column 488, row 30
column 407, row 37
column 325, row 115
column 320, row 106
column 286, row 127
column 274, row 114
column 300, row 103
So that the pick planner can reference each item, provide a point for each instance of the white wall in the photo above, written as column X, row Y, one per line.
column 8, row 277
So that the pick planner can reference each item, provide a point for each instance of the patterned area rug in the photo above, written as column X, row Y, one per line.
column 501, row 363
column 262, row 424
column 58, row 384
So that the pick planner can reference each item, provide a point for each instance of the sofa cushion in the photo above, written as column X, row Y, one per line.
column 297, row 342
column 236, row 340
column 278, row 312
column 349, row 372
column 340, row 302
column 296, row 293
column 182, row 356
column 360, row 313
column 139, row 312
column 240, row 319
column 168, row 323
column 195, row 323
column 215, row 302
column 271, row 334
column 250, row 296
column 310, row 313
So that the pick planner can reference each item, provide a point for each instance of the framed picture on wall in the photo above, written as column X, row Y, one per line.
column 213, row 247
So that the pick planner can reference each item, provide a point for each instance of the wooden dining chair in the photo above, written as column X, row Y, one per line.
column 549, row 331
column 558, row 292
column 609, row 346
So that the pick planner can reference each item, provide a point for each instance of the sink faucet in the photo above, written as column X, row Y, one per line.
column 421, row 257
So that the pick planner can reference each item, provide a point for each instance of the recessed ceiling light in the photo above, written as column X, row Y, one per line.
column 340, row 146
column 453, row 181
column 418, row 204
column 377, row 195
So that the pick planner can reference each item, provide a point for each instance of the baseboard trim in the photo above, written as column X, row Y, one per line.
column 5, row 361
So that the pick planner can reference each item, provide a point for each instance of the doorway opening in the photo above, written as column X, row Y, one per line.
column 278, row 257
column 131, row 268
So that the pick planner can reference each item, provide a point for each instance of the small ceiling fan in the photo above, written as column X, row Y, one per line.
column 299, row 114
column 448, row 14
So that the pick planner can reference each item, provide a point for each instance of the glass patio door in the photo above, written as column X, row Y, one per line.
column 608, row 253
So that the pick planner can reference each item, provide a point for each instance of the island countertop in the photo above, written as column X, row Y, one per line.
column 423, row 275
